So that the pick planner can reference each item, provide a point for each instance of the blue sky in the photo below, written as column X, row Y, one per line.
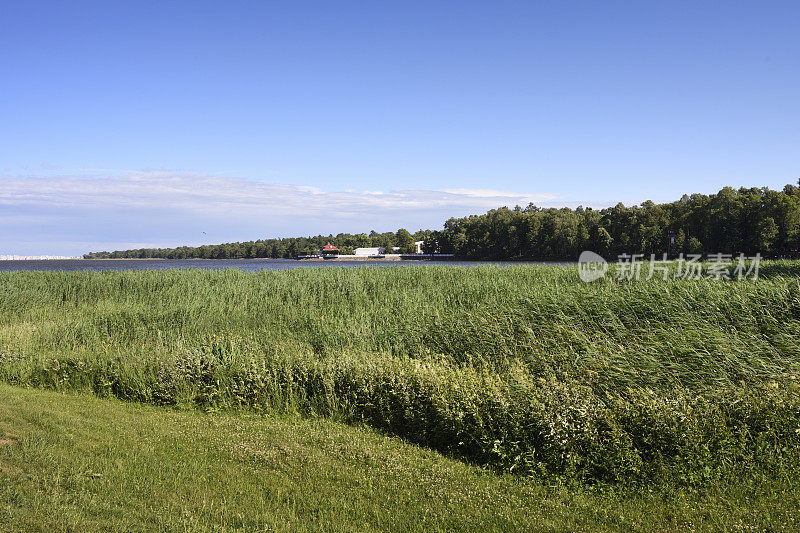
column 149, row 123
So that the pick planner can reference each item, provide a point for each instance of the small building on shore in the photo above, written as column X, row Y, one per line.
column 329, row 250
column 372, row 252
column 366, row 252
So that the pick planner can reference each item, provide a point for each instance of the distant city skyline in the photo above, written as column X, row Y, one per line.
column 168, row 124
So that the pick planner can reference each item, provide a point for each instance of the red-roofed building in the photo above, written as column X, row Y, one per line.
column 330, row 250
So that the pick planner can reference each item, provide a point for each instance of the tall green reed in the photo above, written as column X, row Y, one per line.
column 522, row 368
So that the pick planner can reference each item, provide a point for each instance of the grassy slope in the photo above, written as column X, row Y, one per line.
column 75, row 462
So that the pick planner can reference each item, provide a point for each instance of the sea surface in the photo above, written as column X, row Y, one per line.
column 250, row 265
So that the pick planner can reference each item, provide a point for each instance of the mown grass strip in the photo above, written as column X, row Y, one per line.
column 79, row 463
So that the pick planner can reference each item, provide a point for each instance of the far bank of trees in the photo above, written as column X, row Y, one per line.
column 287, row 248
column 747, row 220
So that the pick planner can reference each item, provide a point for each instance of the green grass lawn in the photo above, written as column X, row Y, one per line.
column 74, row 462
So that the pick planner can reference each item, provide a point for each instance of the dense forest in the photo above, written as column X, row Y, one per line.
column 747, row 220
column 287, row 248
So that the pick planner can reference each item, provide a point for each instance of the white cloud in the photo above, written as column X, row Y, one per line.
column 209, row 194
column 493, row 193
column 73, row 214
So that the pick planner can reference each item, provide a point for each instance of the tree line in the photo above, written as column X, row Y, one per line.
column 285, row 248
column 747, row 220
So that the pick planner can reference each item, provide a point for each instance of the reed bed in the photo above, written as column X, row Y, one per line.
column 521, row 368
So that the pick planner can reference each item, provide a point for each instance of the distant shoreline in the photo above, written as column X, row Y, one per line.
column 34, row 258
column 350, row 258
column 310, row 260
column 362, row 258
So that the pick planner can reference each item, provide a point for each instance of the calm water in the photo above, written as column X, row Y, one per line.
column 250, row 265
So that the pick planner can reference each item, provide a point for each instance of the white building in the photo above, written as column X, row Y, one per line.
column 366, row 252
